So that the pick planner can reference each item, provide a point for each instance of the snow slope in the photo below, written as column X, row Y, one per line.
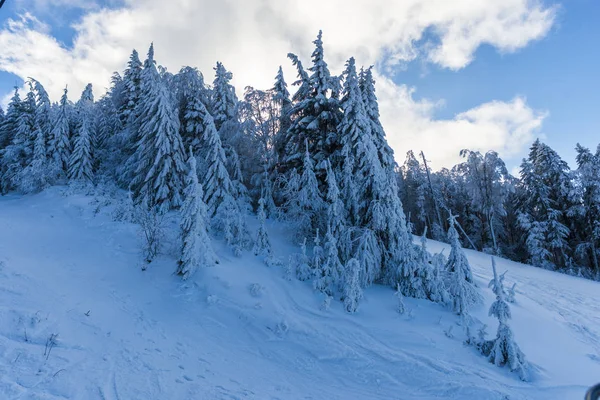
column 129, row 334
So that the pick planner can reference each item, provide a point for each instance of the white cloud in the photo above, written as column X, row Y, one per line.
column 506, row 127
column 253, row 37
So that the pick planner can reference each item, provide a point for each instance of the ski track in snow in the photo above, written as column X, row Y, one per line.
column 147, row 335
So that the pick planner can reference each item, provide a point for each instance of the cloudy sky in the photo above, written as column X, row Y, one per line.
column 477, row 74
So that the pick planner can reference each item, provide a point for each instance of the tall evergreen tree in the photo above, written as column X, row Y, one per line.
column 196, row 250
column 547, row 204
column 262, row 244
column 159, row 153
column 8, row 131
column 588, row 227
column 80, row 162
column 132, row 80
column 217, row 183
column 315, row 115
column 385, row 152
column 224, row 99
column 281, row 96
column 352, row 290
column 61, row 134
column 192, row 99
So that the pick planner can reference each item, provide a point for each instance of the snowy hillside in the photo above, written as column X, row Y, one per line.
column 241, row 331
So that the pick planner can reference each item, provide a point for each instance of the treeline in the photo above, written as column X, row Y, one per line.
column 549, row 217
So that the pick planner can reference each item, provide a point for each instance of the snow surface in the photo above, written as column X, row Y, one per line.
column 241, row 331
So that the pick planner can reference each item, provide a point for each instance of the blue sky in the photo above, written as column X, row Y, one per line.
column 560, row 74
column 555, row 73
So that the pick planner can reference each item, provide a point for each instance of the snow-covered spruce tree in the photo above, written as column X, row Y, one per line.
column 370, row 192
column 197, row 120
column 588, row 171
column 281, row 97
column 40, row 171
column 400, row 307
column 548, row 203
column 317, row 254
column 385, row 152
column 159, row 155
column 219, row 192
column 132, row 80
column 196, row 250
column 192, row 99
column 329, row 276
column 19, row 154
column 315, row 114
column 431, row 275
column 61, row 134
column 503, row 350
column 461, row 288
column 262, row 244
column 80, row 162
column 224, row 100
column 217, row 184
column 457, row 260
column 267, row 193
column 302, row 263
column 352, row 290
column 9, row 123
column 335, row 206
column 309, row 196
column 8, row 153
column 303, row 203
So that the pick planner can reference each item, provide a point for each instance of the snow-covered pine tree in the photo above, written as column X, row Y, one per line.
column 352, row 290
column 8, row 153
column 385, row 152
column 61, row 134
column 303, row 270
column 281, row 97
column 309, row 196
column 315, row 114
column 40, row 172
column 461, row 287
column 588, row 229
column 132, row 80
column 262, row 244
column 196, row 249
column 219, row 191
column 197, row 120
column 9, row 125
column 267, row 193
column 330, row 274
column 503, row 350
column 80, row 162
column 547, row 204
column 457, row 260
column 317, row 255
column 430, row 275
column 19, row 153
column 217, row 183
column 158, row 158
column 335, row 207
column 224, row 100
column 400, row 307
column 192, row 100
